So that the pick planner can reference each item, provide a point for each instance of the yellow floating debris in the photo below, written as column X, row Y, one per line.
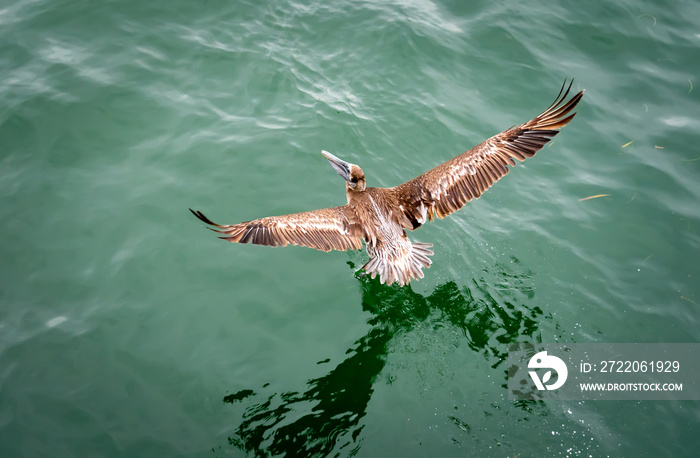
column 594, row 197
column 658, row 147
column 689, row 300
column 627, row 144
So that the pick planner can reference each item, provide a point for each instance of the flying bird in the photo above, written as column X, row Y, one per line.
column 380, row 216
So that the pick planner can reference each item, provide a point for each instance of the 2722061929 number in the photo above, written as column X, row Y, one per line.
column 639, row 366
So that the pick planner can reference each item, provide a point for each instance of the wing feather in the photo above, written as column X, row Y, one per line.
column 447, row 187
column 325, row 229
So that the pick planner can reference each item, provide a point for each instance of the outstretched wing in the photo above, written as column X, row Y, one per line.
column 325, row 229
column 447, row 187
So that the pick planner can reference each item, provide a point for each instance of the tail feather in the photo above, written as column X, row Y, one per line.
column 398, row 263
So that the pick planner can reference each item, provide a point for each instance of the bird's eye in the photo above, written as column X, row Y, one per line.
column 353, row 179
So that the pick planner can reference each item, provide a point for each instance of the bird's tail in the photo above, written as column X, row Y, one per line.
column 399, row 263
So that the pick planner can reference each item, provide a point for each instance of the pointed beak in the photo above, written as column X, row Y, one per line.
column 340, row 166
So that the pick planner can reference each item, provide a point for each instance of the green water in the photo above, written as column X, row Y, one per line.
column 126, row 329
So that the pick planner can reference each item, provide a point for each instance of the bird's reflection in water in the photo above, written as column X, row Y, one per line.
column 326, row 417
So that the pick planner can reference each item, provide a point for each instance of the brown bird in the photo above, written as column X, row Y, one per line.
column 379, row 216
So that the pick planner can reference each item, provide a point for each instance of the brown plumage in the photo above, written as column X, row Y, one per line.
column 379, row 216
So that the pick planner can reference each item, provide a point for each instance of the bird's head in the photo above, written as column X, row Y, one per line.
column 352, row 173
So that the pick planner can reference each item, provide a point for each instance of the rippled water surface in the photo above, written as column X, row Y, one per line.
column 126, row 329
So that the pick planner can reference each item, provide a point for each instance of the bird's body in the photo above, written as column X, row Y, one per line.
column 380, row 216
column 383, row 220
